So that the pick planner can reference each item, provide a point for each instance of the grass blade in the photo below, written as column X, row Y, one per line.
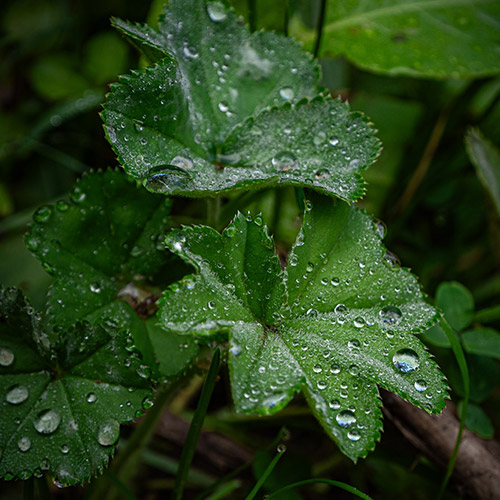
column 195, row 427
column 269, row 469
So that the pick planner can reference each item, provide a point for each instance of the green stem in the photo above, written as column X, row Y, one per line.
column 213, row 211
column 464, row 371
column 338, row 484
column 488, row 315
column 29, row 489
column 319, row 27
column 195, row 427
column 286, row 17
column 225, row 490
column 238, row 203
column 266, row 473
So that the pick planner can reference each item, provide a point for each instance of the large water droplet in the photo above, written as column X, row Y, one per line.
column 334, row 404
column 345, row 418
column 182, row 162
column 6, row 356
column 42, row 214
column 390, row 315
column 17, row 395
column 216, row 11
column 167, row 178
column 420, row 385
column 354, row 435
column 287, row 93
column 108, row 432
column 406, row 360
column 47, row 421
column 24, row 443
column 284, row 161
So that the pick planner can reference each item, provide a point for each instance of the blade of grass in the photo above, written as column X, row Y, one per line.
column 195, row 427
column 338, row 484
column 319, row 27
column 269, row 469
column 225, row 490
column 252, row 14
column 286, row 17
column 464, row 371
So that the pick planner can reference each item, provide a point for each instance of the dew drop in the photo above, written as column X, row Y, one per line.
column 182, row 162
column 65, row 449
column 42, row 214
column 91, row 397
column 333, row 141
column 24, row 443
column 17, row 395
column 284, row 161
column 354, row 435
column 317, row 368
column 62, row 206
column 236, row 350
column 6, row 356
column 335, row 369
column 322, row 174
column 211, row 304
column 281, row 448
column 390, row 315
column 420, row 385
column 167, row 178
column 345, row 418
column 334, row 404
column 47, row 421
column 95, row 288
column 310, row 267
column 322, row 385
column 287, row 93
column 223, row 106
column 406, row 360
column 108, row 432
column 335, row 282
column 216, row 11
column 359, row 322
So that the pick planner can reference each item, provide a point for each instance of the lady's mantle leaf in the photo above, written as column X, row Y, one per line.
column 105, row 250
column 228, row 109
column 426, row 38
column 62, row 404
column 335, row 323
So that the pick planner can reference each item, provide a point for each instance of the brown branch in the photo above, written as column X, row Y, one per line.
column 477, row 470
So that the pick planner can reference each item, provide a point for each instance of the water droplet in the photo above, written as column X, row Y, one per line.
column 64, row 449
column 6, row 356
column 258, row 221
column 354, row 435
column 353, row 344
column 42, row 214
column 310, row 267
column 322, row 385
column 335, row 369
column 223, row 106
column 334, row 404
column 47, row 421
column 345, row 418
column 354, row 370
column 236, row 350
column 143, row 371
column 17, row 395
column 359, row 322
column 340, row 309
column 91, row 397
column 167, row 178
column 406, row 360
column 390, row 315
column 391, row 259
column 420, row 385
column 287, row 93
column 108, row 432
column 182, row 162
column 95, row 288
column 216, row 11
column 381, row 229
column 322, row 174
column 333, row 141
column 335, row 282
column 190, row 52
column 281, row 448
column 24, row 443
column 62, row 206
column 284, row 161
column 78, row 196
column 211, row 304
column 317, row 368
column 147, row 403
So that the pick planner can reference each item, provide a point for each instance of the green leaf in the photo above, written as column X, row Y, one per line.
column 456, row 302
column 436, row 336
column 423, row 38
column 483, row 341
column 477, row 421
column 334, row 324
column 486, row 158
column 188, row 125
column 105, row 247
column 63, row 402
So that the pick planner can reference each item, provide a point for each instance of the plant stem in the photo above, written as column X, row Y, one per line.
column 195, row 427
column 338, row 484
column 266, row 473
column 286, row 17
column 319, row 27
column 213, row 211
column 464, row 371
column 225, row 490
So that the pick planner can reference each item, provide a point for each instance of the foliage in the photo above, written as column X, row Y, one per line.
column 248, row 142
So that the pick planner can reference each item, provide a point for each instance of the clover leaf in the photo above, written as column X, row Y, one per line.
column 226, row 109
column 62, row 402
column 335, row 323
column 105, row 248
